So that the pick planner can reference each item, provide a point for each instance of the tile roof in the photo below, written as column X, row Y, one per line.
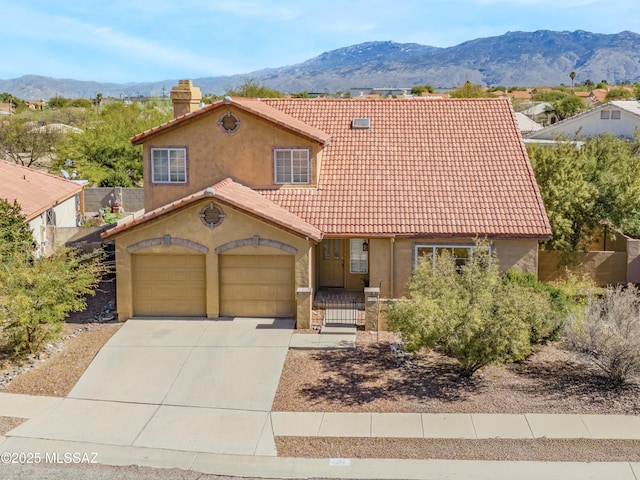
column 454, row 167
column 228, row 192
column 253, row 106
column 35, row 191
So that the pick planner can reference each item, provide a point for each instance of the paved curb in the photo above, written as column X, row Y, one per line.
column 278, row 467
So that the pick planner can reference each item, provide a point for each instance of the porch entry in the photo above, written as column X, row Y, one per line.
column 343, row 263
column 332, row 258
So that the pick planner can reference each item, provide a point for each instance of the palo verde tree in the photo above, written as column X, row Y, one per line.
column 36, row 294
column 470, row 90
column 25, row 142
column 15, row 234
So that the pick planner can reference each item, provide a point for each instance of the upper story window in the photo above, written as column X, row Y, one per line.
column 169, row 165
column 291, row 165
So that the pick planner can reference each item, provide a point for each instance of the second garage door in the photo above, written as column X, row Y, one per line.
column 169, row 285
column 257, row 286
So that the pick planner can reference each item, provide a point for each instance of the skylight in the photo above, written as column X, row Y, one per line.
column 361, row 123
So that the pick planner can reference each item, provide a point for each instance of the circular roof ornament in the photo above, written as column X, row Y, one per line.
column 212, row 215
column 229, row 123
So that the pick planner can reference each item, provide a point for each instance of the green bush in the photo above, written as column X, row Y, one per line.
column 543, row 306
column 36, row 296
column 467, row 309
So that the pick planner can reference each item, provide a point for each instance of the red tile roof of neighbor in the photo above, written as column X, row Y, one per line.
column 228, row 192
column 35, row 191
column 454, row 167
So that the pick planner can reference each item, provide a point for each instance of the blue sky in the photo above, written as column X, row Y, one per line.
column 152, row 40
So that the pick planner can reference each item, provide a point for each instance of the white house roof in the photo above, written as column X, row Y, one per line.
column 595, row 122
column 527, row 125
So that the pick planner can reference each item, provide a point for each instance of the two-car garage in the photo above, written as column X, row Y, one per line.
column 248, row 285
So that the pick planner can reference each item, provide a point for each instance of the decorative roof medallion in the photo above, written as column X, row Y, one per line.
column 212, row 215
column 229, row 123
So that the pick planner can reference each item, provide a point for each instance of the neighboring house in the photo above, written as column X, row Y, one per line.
column 621, row 118
column 520, row 95
column 57, row 128
column 7, row 108
column 48, row 202
column 597, row 96
column 253, row 205
column 526, row 125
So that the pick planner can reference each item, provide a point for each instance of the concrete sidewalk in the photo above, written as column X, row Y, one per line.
column 181, row 452
column 393, row 425
column 447, row 425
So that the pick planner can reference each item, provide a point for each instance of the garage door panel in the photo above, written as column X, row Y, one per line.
column 257, row 286
column 169, row 285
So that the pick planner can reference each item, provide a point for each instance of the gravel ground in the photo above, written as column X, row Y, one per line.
column 369, row 379
column 544, row 449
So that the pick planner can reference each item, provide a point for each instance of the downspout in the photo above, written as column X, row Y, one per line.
column 391, row 266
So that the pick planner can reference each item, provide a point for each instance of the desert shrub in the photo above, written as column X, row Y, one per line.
column 37, row 294
column 607, row 330
column 544, row 310
column 466, row 309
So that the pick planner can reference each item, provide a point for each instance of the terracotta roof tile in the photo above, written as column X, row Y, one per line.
column 425, row 167
column 228, row 192
column 254, row 106
column 35, row 191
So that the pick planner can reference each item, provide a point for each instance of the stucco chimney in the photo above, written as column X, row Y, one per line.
column 185, row 97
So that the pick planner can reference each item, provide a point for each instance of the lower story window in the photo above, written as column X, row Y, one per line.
column 460, row 253
column 359, row 256
column 169, row 165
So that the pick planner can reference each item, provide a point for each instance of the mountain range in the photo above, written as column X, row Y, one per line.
column 537, row 58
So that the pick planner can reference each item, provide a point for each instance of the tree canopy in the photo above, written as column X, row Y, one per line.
column 470, row 90
column 253, row 89
column 567, row 106
column 584, row 187
column 25, row 142
column 36, row 294
column 103, row 153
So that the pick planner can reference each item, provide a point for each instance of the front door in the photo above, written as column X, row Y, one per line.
column 332, row 256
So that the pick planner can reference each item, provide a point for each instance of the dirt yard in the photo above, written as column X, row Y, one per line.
column 369, row 379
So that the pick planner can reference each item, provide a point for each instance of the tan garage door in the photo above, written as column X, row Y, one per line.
column 169, row 285
column 257, row 286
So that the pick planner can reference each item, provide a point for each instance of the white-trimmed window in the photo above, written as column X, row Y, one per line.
column 615, row 114
column 460, row 253
column 169, row 165
column 291, row 165
column 359, row 256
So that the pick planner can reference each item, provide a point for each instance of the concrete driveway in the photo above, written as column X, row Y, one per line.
column 195, row 385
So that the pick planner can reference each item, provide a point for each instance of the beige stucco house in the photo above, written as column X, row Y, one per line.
column 253, row 205
column 51, row 205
